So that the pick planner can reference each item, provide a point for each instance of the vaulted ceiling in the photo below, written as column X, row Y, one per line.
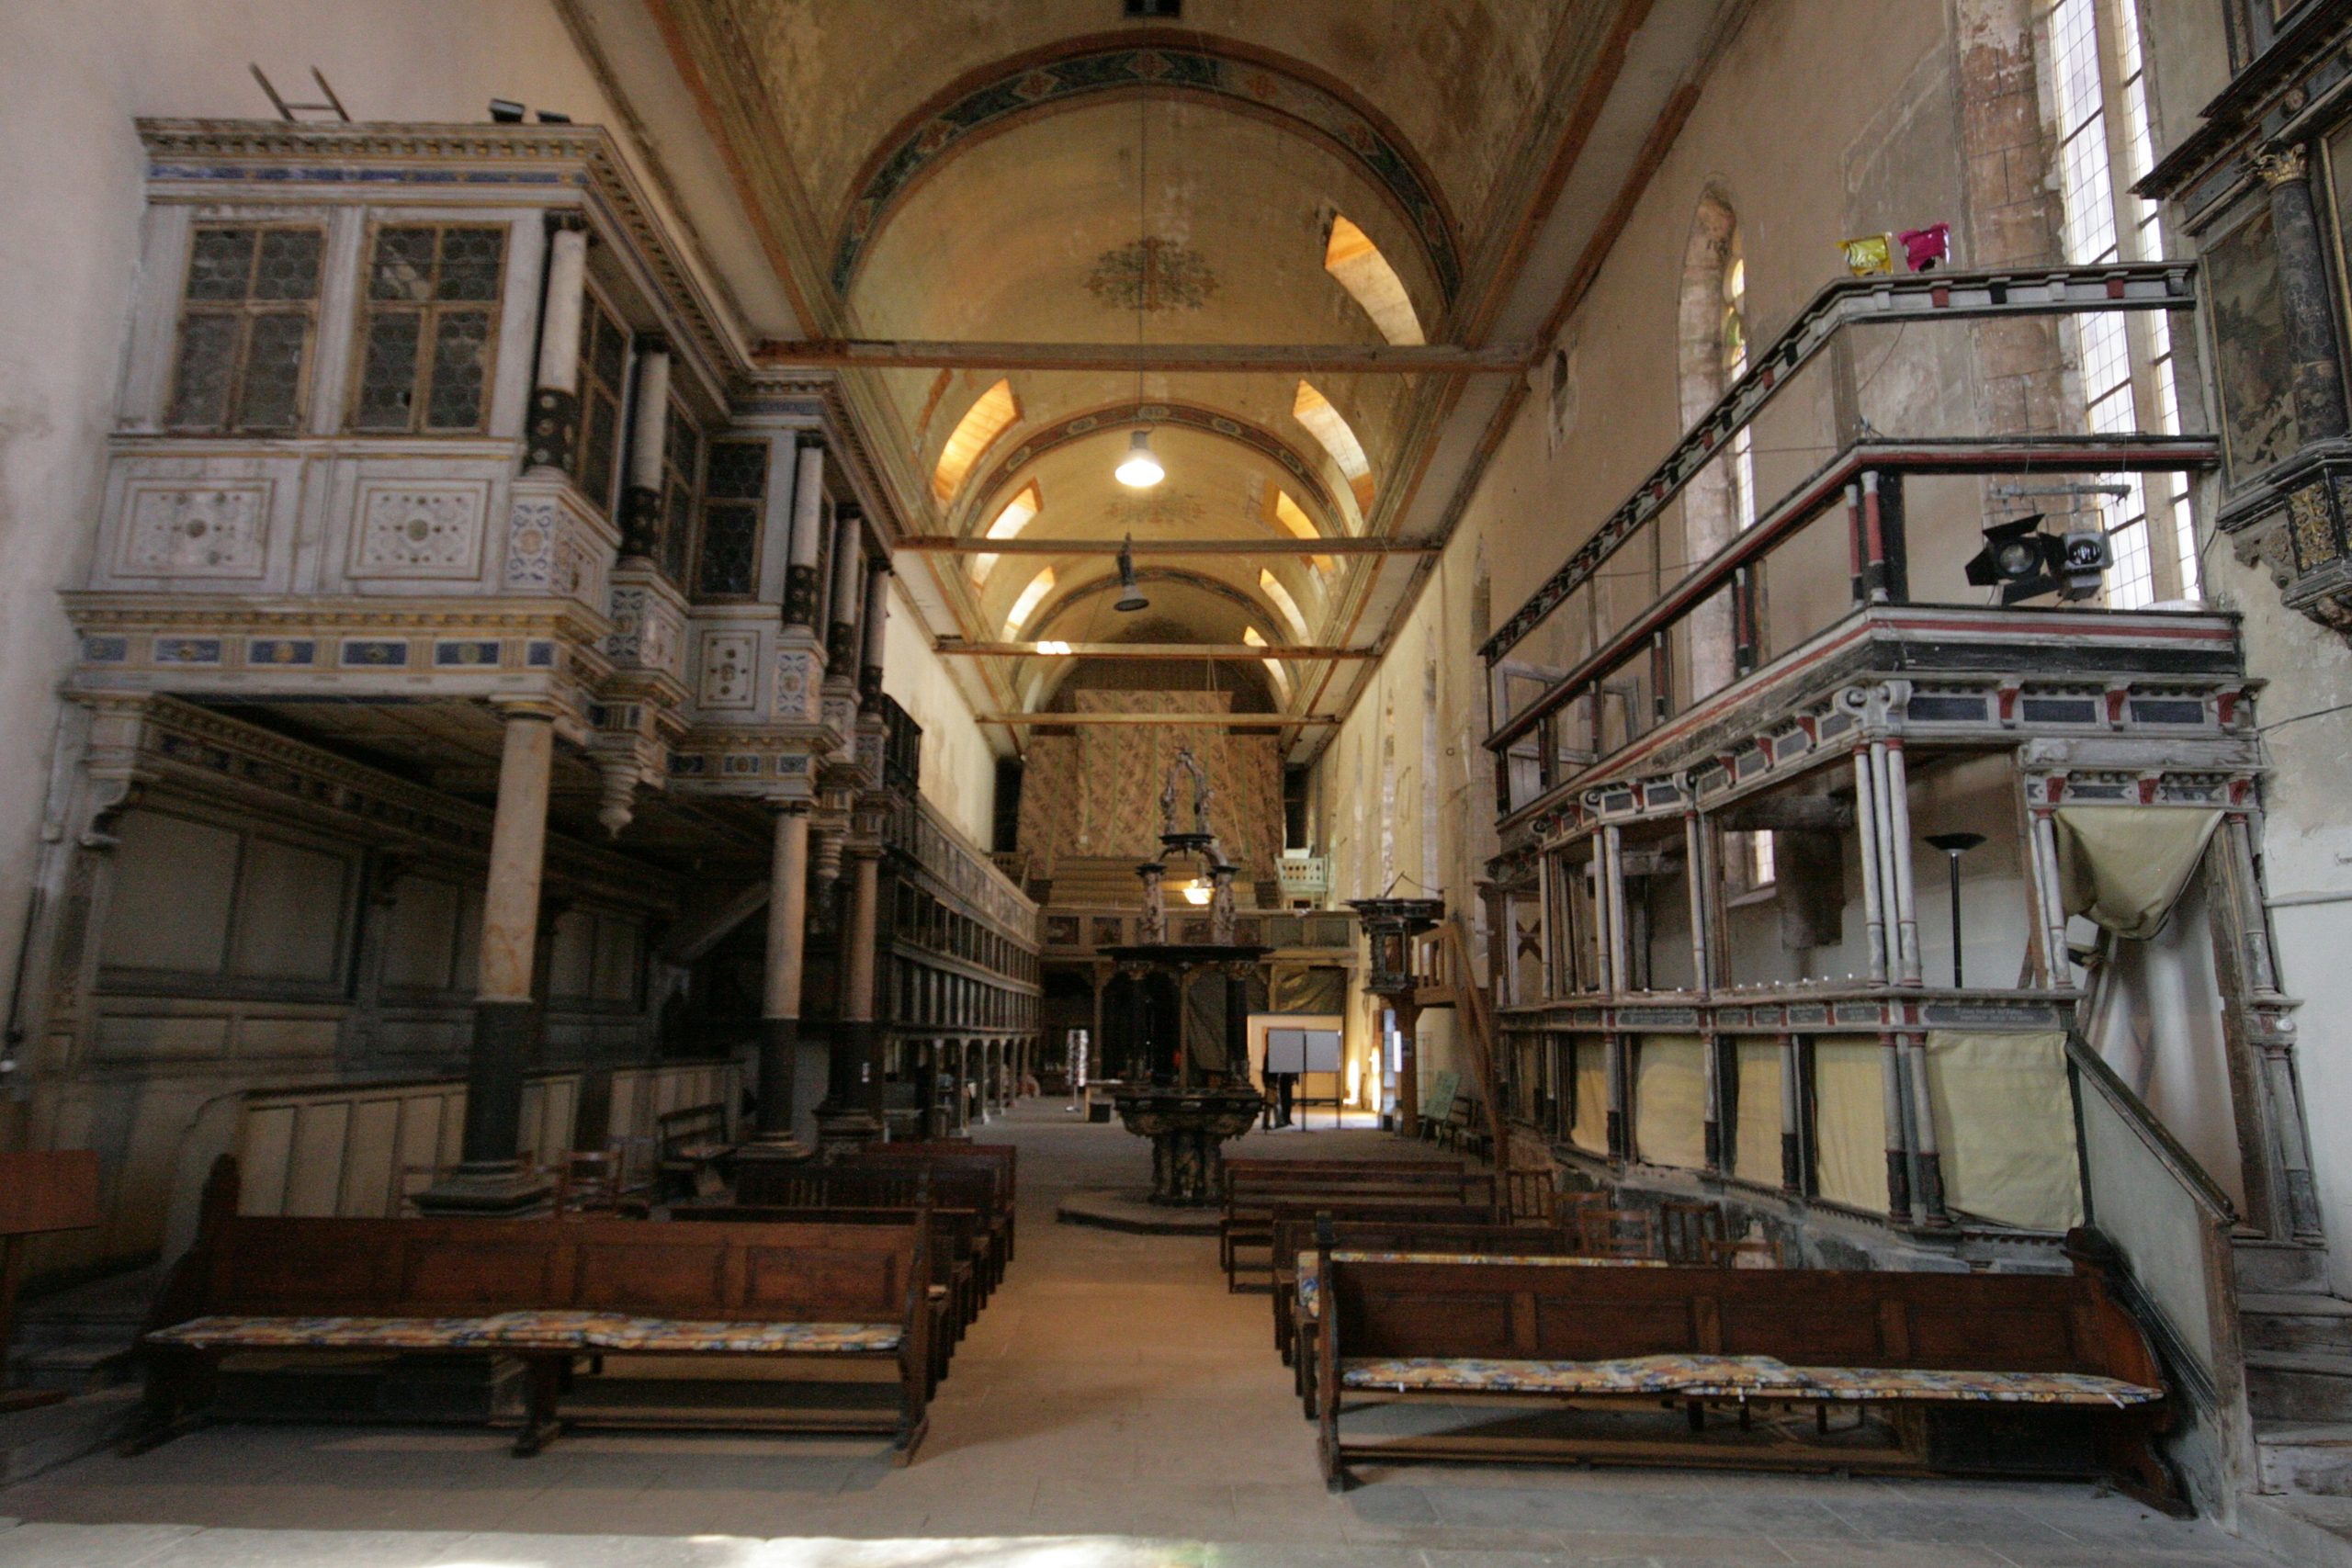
column 1043, row 172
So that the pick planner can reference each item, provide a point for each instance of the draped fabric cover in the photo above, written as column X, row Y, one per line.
column 1670, row 1100
column 2005, row 1126
column 1097, row 793
column 2124, row 866
column 1849, row 1122
column 1590, row 1129
column 1756, row 1136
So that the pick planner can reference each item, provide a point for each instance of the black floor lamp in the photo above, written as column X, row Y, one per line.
column 1955, row 845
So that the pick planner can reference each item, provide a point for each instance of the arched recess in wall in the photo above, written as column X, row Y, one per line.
column 1710, row 334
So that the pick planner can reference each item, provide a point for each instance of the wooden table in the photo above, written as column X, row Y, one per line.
column 40, row 1190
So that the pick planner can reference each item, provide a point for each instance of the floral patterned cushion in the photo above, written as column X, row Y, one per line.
column 1310, row 1274
column 1696, row 1376
column 580, row 1331
column 614, row 1332
column 2000, row 1388
column 326, row 1333
column 1741, row 1376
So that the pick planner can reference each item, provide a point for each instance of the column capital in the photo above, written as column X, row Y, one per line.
column 2279, row 166
column 544, row 708
column 788, row 805
column 650, row 342
column 567, row 221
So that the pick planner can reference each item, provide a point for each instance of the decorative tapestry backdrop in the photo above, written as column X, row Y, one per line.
column 1097, row 793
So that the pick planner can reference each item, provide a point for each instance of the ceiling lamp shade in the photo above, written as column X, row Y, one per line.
column 1131, row 598
column 1139, row 469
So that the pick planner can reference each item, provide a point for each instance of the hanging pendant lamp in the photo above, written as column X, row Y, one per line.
column 1139, row 469
column 1131, row 598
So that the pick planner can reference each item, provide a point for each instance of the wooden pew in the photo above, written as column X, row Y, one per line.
column 1252, row 1188
column 1370, row 1228
column 955, row 1237
column 549, row 1294
column 858, row 1184
column 999, row 1159
column 1937, row 1352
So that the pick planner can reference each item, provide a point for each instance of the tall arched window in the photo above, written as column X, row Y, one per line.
column 1720, row 500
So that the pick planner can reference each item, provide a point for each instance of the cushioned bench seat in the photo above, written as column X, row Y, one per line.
column 1733, row 1377
column 585, row 1332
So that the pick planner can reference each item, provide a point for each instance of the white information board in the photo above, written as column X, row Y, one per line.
column 1302, row 1050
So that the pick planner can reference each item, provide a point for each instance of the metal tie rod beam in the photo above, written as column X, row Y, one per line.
column 1341, row 545
column 1192, row 720
column 1288, row 359
column 1163, row 650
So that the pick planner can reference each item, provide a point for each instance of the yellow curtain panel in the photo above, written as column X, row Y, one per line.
column 2005, row 1126
column 1591, row 1128
column 2124, row 866
column 1670, row 1100
column 1849, row 1122
column 1756, row 1138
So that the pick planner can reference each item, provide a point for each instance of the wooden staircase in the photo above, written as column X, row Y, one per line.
column 1448, row 978
column 2298, row 1338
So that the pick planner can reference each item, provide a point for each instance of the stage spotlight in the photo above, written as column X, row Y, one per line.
column 2024, row 562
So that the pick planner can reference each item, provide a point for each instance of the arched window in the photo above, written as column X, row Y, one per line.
column 1720, row 499
column 1008, row 522
column 1356, row 264
column 1328, row 428
column 982, row 423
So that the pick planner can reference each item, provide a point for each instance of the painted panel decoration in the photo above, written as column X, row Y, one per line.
column 418, row 531
column 726, row 669
column 212, row 531
column 2255, row 372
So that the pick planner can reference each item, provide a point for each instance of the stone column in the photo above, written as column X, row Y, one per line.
column 856, row 1077
column 490, row 1177
column 808, row 533
column 555, row 396
column 2303, row 295
column 849, row 553
column 877, row 617
column 780, row 1001
column 649, row 435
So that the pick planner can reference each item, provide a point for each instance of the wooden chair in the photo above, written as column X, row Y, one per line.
column 1687, row 1229
column 1617, row 1232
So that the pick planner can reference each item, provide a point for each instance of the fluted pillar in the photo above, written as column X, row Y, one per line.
column 808, row 533
column 649, row 435
column 555, row 394
column 849, row 554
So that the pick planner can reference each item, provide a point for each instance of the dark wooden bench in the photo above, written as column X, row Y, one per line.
column 691, row 1150
column 1253, row 1188
column 1467, row 1231
column 549, row 1294
column 859, row 1184
column 1964, row 1362
column 1002, row 1158
column 955, row 1236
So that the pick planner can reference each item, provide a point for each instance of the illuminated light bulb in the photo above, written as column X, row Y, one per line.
column 1139, row 469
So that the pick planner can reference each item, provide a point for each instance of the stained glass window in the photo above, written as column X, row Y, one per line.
column 734, row 483
column 680, row 466
column 245, row 328
column 603, row 357
column 432, row 323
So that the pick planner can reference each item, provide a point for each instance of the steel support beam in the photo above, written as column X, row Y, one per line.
column 1344, row 545
column 1286, row 359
